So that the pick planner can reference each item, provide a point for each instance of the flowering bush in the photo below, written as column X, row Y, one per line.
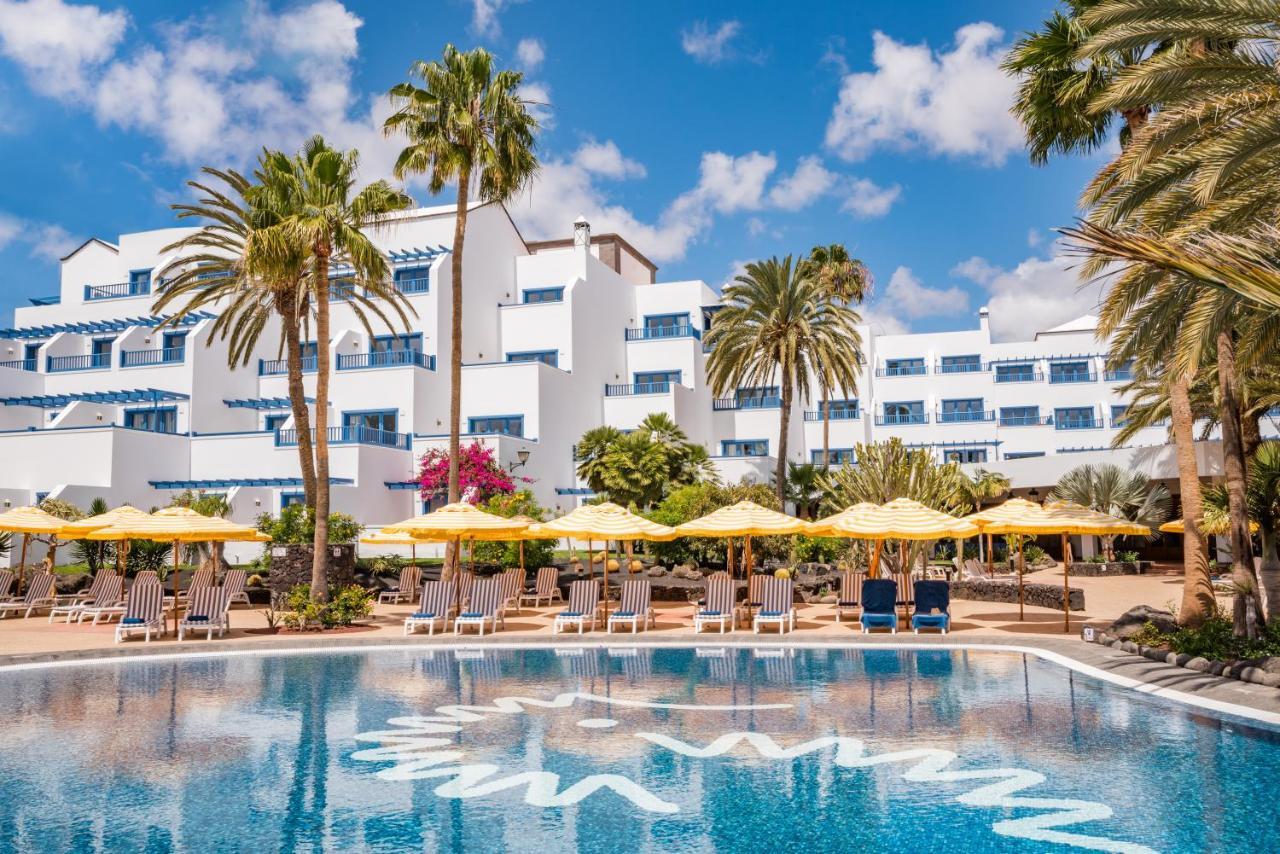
column 480, row 477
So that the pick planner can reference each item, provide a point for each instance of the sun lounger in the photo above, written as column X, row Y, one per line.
column 144, row 610
column 435, row 608
column 905, row 596
column 39, row 595
column 850, row 593
column 206, row 612
column 201, row 578
column 465, row 583
column 546, row 586
column 718, row 609
column 6, row 584
column 68, row 605
column 486, row 602
column 634, row 606
column 512, row 585
column 584, row 603
column 406, row 589
column 233, row 584
column 108, row 603
column 778, row 607
column 931, row 596
column 879, row 605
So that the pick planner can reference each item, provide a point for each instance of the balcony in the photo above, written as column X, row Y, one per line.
column 1121, row 376
column 91, row 362
column 961, row 368
column 636, row 389
column 835, row 415
column 1030, row 375
column 19, row 364
column 119, row 290
column 1064, row 377
column 900, row 418
column 142, row 358
column 735, row 403
column 280, row 367
column 902, row 371
column 386, row 359
column 1025, row 420
column 414, row 286
column 1078, row 423
column 350, row 434
column 966, row 417
column 655, row 333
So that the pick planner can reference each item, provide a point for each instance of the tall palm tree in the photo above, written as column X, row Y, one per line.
column 1117, row 492
column 322, row 210
column 224, row 265
column 468, row 125
column 843, row 280
column 803, row 488
column 778, row 326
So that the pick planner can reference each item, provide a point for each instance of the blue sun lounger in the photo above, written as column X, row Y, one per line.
column 931, row 595
column 879, row 605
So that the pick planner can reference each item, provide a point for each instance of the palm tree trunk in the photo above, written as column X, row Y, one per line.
column 1198, row 602
column 1242, row 574
column 1269, row 573
column 320, row 545
column 785, row 422
column 298, row 403
column 455, row 365
column 1250, row 437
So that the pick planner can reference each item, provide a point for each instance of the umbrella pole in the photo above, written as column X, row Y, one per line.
column 1021, row 568
column 591, row 560
column 746, row 554
column 1066, row 588
column 120, row 547
column 991, row 556
column 176, row 555
column 22, row 563
column 875, row 558
column 729, row 557
column 605, row 598
column 520, row 546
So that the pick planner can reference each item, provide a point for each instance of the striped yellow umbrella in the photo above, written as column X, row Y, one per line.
column 1176, row 526
column 454, row 522
column 606, row 522
column 856, row 522
column 1078, row 519
column 901, row 519
column 744, row 519
column 123, row 513
column 28, row 521
column 178, row 525
column 1019, row 516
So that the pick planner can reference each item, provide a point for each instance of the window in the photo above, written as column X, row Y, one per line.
column 964, row 455
column 960, row 364
column 668, row 323
column 840, row 410
column 174, row 341
column 1121, row 373
column 1074, row 418
column 1022, row 455
column 744, row 448
column 388, row 343
column 288, row 499
column 903, row 367
column 30, row 353
column 837, row 456
column 1117, row 415
column 139, row 282
column 275, row 421
column 1016, row 372
column 435, row 502
column 759, row 397
column 1070, row 372
column 655, row 382
column 101, row 350
column 509, row 425
column 1019, row 416
column 546, row 357
column 413, row 280
column 309, row 349
column 378, row 419
column 904, row 412
column 536, row 295
column 158, row 420
column 966, row 409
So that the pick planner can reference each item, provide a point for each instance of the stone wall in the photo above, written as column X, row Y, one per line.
column 1043, row 595
column 1115, row 567
column 291, row 566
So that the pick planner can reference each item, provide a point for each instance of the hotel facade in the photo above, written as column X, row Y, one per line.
column 559, row 336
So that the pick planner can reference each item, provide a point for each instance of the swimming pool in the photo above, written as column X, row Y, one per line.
column 619, row 750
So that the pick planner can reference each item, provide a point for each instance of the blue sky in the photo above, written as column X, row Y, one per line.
column 707, row 134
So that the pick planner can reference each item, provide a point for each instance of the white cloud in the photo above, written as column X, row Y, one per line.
column 46, row 241
column 953, row 103
column 484, row 17
column 10, row 228
column 530, row 54
column 1037, row 294
column 1034, row 237
column 538, row 96
column 756, row 226
column 606, row 160
column 868, row 199
column 801, row 188
column 58, row 45
column 731, row 184
column 324, row 30
column 883, row 320
column 912, row 298
column 710, row 46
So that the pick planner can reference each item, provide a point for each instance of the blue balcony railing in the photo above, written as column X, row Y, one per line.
column 898, row 418
column 1120, row 376
column 902, row 371
column 1090, row 422
column 279, row 367
column 966, row 417
column 1063, row 377
column 91, row 362
column 961, row 368
column 836, row 415
column 117, row 291
column 387, row 359
column 414, row 286
column 766, row 402
column 1028, row 375
column 1025, row 420
column 350, row 434
column 139, row 358
column 636, row 388
column 19, row 364
column 653, row 333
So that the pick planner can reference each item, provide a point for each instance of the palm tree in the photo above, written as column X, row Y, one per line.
column 843, row 280
column 1117, row 492
column 803, row 488
column 321, row 210
column 778, row 326
column 466, row 124
column 1264, row 507
column 640, row 467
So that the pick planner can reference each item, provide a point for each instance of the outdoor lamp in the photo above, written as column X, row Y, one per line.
column 522, row 456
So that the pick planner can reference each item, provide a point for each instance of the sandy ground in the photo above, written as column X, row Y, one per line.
column 1105, row 598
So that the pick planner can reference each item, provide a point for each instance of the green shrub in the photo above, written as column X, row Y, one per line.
column 347, row 605
column 297, row 524
column 1149, row 635
column 506, row 553
column 689, row 502
column 1127, row 557
column 819, row 549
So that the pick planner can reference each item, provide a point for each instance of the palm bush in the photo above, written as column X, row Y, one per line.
column 1117, row 492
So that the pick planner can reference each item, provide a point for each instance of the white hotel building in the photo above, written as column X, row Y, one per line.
column 560, row 336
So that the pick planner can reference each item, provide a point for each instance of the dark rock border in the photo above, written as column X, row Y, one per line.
column 1089, row 569
column 1264, row 671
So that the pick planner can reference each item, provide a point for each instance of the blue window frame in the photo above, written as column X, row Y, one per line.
column 837, row 456
column 435, row 502
column 40, row 497
column 1075, row 418
column 373, row 419
column 387, row 343
column 139, row 282
column 903, row 412
column 1071, row 372
column 1019, row 416
column 837, row 410
column 1022, row 455
column 413, row 280
column 274, row 421
column 964, row 455
column 744, row 448
column 1016, row 372
column 163, row 419
column 546, row 357
column 966, row 364
column 664, row 322
column 1121, row 373
column 102, row 346
column 962, row 409
column 655, row 382
column 510, row 425
column 1118, row 415
column 309, row 349
column 288, row 499
column 535, row 295
column 758, row 397
column 174, row 340
column 31, row 355
column 903, row 367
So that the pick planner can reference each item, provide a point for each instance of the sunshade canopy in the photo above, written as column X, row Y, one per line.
column 1019, row 516
column 459, row 519
column 605, row 521
column 853, row 521
column 744, row 519
column 121, row 514
column 379, row 538
column 1078, row 519
column 178, row 524
column 905, row 519
column 30, row 520
column 1176, row 527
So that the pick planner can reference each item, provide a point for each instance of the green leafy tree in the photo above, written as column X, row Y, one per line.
column 640, row 467
column 504, row 553
column 1117, row 492
column 690, row 502
column 804, row 489
column 466, row 125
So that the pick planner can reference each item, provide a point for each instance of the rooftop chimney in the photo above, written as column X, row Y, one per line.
column 581, row 235
column 984, row 319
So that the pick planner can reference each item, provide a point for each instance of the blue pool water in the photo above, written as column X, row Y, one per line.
column 620, row 750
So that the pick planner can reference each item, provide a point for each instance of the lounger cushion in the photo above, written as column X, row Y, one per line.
column 132, row 621
column 624, row 614
column 940, row 620
column 879, row 619
column 572, row 614
column 773, row 613
column 470, row 615
column 423, row 616
column 710, row 614
column 196, row 618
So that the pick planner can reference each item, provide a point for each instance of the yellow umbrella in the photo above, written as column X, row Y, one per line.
column 858, row 522
column 901, row 519
column 1176, row 527
column 453, row 522
column 605, row 521
column 1078, row 519
column 123, row 513
column 744, row 519
column 28, row 521
column 178, row 525
column 379, row 538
